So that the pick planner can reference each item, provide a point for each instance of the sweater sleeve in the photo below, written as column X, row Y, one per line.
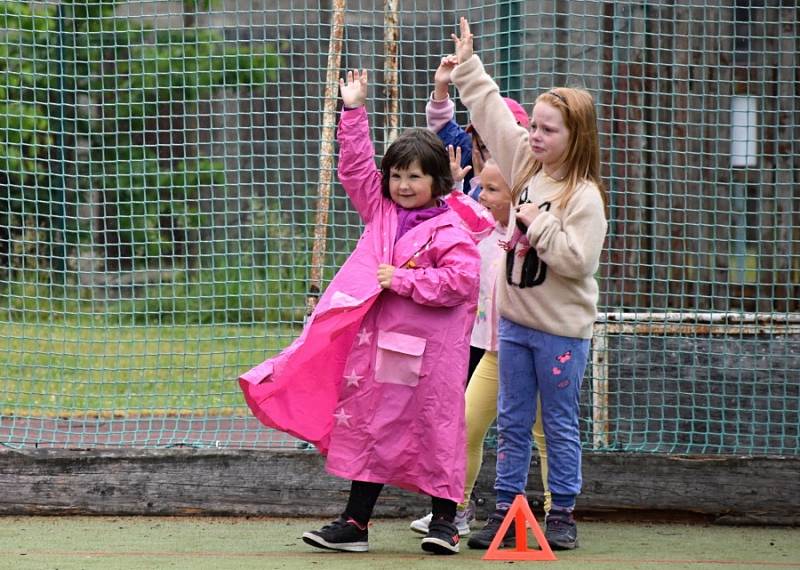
column 438, row 113
column 440, row 116
column 571, row 246
column 507, row 141
column 358, row 173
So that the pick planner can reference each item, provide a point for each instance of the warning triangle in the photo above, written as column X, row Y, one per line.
column 522, row 517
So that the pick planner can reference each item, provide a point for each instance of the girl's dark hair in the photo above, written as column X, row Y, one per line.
column 428, row 149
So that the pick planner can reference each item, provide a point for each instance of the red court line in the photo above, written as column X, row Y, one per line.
column 374, row 555
column 753, row 563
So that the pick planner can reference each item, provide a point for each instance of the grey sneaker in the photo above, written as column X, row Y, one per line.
column 484, row 537
column 561, row 531
column 342, row 534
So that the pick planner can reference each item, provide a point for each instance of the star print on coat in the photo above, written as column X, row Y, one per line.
column 353, row 379
column 364, row 337
column 342, row 418
column 371, row 435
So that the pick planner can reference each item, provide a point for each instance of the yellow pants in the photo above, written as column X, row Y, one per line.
column 481, row 411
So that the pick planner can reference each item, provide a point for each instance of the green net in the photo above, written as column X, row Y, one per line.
column 163, row 229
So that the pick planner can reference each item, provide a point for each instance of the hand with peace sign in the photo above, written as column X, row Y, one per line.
column 464, row 42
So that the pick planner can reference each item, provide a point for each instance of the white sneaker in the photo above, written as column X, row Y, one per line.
column 421, row 525
column 463, row 518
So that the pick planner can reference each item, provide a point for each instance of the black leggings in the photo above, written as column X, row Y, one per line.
column 363, row 497
column 475, row 355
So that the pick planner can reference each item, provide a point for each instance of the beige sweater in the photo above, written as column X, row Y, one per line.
column 550, row 287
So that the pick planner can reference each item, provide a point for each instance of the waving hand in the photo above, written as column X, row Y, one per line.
column 354, row 90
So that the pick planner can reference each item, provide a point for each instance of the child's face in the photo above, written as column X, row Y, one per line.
column 549, row 136
column 411, row 188
column 495, row 194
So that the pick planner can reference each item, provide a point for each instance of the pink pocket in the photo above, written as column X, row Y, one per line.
column 399, row 359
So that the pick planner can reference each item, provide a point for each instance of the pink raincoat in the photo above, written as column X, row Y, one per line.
column 376, row 379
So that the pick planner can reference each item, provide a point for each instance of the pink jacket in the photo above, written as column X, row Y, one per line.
column 484, row 333
column 376, row 379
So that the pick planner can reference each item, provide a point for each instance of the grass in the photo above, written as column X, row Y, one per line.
column 58, row 370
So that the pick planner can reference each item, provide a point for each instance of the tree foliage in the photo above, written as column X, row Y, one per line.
column 99, row 108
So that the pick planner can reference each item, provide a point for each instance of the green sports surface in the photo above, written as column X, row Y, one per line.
column 117, row 543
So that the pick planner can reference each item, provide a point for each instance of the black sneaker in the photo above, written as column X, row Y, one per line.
column 442, row 537
column 342, row 534
column 561, row 531
column 482, row 539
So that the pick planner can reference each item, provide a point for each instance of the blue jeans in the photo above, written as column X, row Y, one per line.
column 531, row 362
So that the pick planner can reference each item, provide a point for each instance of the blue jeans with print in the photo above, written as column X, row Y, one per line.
column 531, row 362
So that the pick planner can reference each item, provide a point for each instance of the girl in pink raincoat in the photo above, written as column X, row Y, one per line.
column 376, row 380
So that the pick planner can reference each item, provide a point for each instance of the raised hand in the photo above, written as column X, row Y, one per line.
column 445, row 70
column 354, row 90
column 455, row 164
column 463, row 43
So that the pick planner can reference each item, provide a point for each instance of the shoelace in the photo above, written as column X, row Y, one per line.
column 558, row 523
column 341, row 523
column 495, row 518
column 335, row 524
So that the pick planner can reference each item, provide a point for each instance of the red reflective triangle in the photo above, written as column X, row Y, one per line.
column 522, row 516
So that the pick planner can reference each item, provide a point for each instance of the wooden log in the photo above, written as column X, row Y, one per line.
column 784, row 45
column 662, row 141
column 759, row 490
column 678, row 216
column 714, row 210
column 622, row 118
column 722, row 215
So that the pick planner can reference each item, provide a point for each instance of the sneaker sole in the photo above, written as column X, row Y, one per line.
column 438, row 546
column 563, row 545
column 319, row 542
column 479, row 545
column 424, row 529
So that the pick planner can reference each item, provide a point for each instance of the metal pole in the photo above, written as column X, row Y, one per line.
column 326, row 155
column 391, row 36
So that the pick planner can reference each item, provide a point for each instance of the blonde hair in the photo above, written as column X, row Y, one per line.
column 582, row 157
